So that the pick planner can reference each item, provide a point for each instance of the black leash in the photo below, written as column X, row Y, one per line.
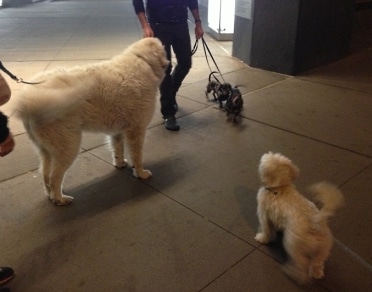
column 195, row 47
column 19, row 80
column 212, row 74
column 206, row 49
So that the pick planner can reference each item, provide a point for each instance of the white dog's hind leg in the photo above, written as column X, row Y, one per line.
column 45, row 169
column 57, row 174
column 317, row 269
column 298, row 268
column 63, row 155
column 56, row 195
column 317, row 263
column 136, row 138
column 117, row 143
column 296, row 273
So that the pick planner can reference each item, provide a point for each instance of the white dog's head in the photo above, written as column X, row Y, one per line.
column 152, row 51
column 277, row 170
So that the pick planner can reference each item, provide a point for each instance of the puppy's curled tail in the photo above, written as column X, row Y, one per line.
column 327, row 197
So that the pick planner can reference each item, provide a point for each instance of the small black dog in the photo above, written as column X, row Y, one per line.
column 220, row 91
column 234, row 105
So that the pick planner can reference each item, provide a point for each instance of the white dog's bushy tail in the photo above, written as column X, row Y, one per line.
column 327, row 197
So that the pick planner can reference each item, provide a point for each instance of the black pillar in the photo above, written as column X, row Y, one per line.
column 291, row 36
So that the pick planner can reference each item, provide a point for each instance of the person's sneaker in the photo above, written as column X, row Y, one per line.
column 170, row 124
column 6, row 274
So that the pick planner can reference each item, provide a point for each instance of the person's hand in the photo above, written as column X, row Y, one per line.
column 199, row 32
column 7, row 146
column 148, row 32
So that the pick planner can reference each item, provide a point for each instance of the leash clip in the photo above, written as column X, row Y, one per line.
column 15, row 78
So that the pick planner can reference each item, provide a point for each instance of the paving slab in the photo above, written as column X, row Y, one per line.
column 258, row 273
column 351, row 227
column 23, row 159
column 191, row 226
column 333, row 115
column 354, row 72
column 212, row 164
column 117, row 234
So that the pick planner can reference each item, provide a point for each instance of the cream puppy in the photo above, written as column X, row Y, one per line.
column 307, row 238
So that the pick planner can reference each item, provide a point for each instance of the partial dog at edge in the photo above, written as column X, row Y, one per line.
column 307, row 238
column 116, row 97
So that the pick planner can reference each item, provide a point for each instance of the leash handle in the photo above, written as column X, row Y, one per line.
column 11, row 75
column 205, row 46
column 206, row 49
column 195, row 47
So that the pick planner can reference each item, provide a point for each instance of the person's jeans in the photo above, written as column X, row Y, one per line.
column 176, row 37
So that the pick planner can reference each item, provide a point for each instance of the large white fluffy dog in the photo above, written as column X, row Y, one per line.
column 116, row 97
column 307, row 238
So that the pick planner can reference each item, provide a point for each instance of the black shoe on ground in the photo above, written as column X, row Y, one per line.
column 6, row 274
column 170, row 124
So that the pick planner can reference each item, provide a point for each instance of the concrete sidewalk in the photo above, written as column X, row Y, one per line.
column 191, row 227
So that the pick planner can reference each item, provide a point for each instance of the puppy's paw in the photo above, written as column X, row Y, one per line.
column 120, row 163
column 317, row 273
column 262, row 238
column 143, row 174
column 64, row 201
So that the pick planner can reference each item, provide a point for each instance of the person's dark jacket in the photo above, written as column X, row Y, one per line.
column 165, row 11
column 4, row 130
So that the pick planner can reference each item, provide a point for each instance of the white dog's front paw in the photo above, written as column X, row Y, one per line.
column 120, row 163
column 144, row 174
column 65, row 200
column 262, row 238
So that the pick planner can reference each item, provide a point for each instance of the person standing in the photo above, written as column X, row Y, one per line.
column 6, row 146
column 167, row 20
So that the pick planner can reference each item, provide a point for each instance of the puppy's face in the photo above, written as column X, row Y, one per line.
column 236, row 97
column 277, row 170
